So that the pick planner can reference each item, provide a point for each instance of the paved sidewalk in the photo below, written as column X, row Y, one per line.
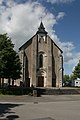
column 43, row 98
column 55, row 107
column 42, row 111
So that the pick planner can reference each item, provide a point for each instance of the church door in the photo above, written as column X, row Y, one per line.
column 40, row 81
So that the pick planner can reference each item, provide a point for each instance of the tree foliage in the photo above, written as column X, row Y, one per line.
column 76, row 71
column 72, row 77
column 66, row 78
column 10, row 66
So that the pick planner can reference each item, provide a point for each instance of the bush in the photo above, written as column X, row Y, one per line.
column 16, row 91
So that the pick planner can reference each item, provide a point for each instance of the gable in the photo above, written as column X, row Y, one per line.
column 26, row 44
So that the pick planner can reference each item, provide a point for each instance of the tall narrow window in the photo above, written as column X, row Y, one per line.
column 41, row 60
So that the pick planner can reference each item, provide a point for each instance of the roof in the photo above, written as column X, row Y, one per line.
column 25, row 44
column 41, row 30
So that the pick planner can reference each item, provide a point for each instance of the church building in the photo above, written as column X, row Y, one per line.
column 42, row 61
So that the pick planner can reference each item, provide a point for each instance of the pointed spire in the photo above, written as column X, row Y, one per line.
column 41, row 26
column 41, row 29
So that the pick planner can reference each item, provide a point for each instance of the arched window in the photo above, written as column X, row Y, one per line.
column 41, row 60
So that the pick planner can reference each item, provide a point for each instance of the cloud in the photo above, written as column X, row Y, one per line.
column 67, row 48
column 1, row 2
column 60, row 1
column 21, row 22
column 70, row 65
column 60, row 15
column 10, row 3
column 71, row 58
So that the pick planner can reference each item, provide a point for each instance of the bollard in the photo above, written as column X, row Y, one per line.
column 35, row 93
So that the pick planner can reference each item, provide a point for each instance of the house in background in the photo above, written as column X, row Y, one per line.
column 42, row 61
column 76, row 83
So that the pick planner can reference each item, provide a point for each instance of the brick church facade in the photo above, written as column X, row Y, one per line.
column 42, row 61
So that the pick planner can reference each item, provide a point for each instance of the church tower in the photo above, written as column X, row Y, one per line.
column 42, row 58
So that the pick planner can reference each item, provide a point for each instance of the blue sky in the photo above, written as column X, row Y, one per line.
column 69, row 28
column 61, row 18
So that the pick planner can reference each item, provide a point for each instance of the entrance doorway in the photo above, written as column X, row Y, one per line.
column 40, row 81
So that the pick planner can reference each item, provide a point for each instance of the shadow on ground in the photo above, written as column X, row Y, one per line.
column 5, row 108
column 46, row 118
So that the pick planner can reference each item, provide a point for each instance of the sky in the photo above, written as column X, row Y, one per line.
column 61, row 18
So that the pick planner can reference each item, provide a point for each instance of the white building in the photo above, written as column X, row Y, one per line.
column 76, row 83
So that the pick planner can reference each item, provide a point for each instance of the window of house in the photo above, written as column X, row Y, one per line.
column 41, row 60
column 77, row 82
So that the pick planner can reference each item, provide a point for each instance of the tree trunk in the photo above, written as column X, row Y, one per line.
column 2, row 82
column 12, row 82
column 9, row 81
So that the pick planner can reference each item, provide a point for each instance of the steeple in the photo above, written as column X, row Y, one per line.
column 41, row 29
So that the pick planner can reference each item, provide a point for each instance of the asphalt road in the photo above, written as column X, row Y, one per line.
column 54, row 107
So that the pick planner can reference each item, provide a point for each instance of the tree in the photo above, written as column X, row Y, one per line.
column 10, row 66
column 66, row 80
column 72, row 77
column 76, row 71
